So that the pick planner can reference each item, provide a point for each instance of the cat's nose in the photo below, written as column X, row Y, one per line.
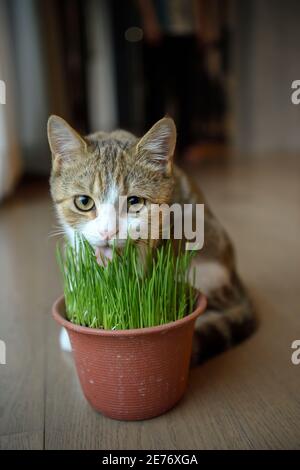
column 107, row 234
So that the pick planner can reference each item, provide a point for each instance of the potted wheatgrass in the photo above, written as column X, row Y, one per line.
column 131, row 326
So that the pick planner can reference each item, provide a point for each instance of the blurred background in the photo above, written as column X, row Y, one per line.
column 222, row 68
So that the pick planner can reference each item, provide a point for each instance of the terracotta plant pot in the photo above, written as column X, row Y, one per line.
column 132, row 374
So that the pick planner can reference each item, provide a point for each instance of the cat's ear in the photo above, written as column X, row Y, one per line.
column 158, row 145
column 65, row 143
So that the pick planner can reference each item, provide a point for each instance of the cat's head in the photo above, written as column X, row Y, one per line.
column 89, row 174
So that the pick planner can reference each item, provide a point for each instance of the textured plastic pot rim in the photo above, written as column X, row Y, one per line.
column 58, row 312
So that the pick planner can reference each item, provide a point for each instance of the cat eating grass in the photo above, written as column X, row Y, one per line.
column 89, row 176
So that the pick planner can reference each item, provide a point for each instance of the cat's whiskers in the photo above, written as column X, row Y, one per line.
column 56, row 232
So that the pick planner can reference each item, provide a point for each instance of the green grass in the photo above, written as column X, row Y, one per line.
column 124, row 294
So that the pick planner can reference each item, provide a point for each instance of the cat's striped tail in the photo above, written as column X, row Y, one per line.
column 228, row 320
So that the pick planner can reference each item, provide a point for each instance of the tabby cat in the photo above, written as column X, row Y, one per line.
column 89, row 171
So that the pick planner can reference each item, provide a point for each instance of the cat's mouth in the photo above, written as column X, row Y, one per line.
column 103, row 254
column 104, row 251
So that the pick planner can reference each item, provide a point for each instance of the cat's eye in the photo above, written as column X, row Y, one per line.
column 84, row 203
column 135, row 203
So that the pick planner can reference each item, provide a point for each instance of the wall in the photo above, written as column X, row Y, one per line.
column 266, row 51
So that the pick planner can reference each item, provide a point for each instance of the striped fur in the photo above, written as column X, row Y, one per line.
column 144, row 167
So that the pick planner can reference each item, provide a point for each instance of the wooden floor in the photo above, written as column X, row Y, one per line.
column 244, row 399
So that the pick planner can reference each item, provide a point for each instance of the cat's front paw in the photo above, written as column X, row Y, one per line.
column 64, row 340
